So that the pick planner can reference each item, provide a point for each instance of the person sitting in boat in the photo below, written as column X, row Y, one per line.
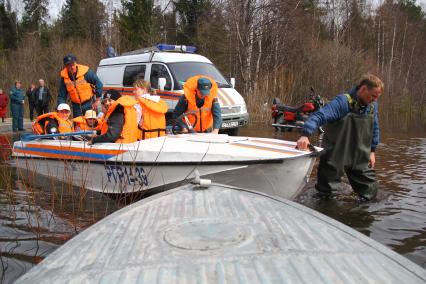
column 199, row 99
column 152, row 120
column 119, row 123
column 54, row 122
column 87, row 122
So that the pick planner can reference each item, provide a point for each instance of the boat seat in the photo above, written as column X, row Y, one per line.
column 287, row 108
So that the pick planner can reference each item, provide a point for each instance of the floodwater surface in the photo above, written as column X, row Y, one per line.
column 38, row 217
column 397, row 218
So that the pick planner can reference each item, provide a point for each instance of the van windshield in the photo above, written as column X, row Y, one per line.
column 184, row 70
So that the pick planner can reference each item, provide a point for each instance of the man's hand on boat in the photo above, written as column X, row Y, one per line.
column 302, row 143
column 372, row 161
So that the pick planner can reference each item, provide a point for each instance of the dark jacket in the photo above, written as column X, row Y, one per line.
column 115, row 126
column 31, row 95
column 45, row 97
column 337, row 109
column 51, row 123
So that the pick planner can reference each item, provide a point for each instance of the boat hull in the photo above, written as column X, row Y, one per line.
column 283, row 178
column 268, row 165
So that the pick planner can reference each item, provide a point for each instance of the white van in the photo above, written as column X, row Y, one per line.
column 164, row 61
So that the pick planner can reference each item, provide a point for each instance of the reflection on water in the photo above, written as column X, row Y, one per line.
column 398, row 217
column 35, row 219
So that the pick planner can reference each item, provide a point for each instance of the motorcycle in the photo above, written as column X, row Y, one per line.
column 287, row 118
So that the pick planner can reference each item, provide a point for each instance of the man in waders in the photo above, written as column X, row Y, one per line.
column 81, row 85
column 350, row 140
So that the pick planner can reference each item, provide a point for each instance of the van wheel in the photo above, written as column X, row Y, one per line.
column 230, row 131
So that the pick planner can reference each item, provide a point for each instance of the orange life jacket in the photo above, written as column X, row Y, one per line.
column 82, row 125
column 80, row 90
column 204, row 114
column 130, row 132
column 154, row 118
column 41, row 122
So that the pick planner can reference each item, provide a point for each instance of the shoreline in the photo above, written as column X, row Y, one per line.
column 6, row 126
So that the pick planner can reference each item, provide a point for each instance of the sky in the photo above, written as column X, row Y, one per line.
column 55, row 5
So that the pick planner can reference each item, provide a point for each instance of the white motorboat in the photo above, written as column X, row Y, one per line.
column 268, row 165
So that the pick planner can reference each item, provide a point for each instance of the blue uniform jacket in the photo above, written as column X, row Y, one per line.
column 16, row 96
column 182, row 106
column 90, row 77
column 337, row 109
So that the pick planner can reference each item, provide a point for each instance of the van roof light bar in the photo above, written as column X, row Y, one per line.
column 180, row 48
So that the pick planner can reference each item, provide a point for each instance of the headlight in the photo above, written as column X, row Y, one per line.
column 243, row 108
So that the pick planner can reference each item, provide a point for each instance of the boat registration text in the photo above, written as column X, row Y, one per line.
column 126, row 174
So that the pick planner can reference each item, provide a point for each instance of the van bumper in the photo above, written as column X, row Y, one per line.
column 234, row 121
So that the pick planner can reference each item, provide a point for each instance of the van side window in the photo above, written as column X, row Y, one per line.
column 133, row 72
column 160, row 71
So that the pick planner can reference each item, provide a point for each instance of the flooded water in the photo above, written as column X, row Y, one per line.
column 37, row 218
column 397, row 218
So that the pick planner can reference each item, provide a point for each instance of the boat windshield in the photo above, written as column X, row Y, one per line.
column 184, row 70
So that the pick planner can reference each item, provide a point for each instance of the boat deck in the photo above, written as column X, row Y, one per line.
column 221, row 235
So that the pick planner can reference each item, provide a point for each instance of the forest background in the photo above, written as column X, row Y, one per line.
column 274, row 48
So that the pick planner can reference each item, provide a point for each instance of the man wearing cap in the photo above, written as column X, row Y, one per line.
column 119, row 124
column 87, row 122
column 81, row 84
column 54, row 122
column 200, row 104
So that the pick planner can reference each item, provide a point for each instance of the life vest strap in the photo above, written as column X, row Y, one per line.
column 158, row 130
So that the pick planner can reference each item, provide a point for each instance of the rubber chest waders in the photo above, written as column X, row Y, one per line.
column 347, row 144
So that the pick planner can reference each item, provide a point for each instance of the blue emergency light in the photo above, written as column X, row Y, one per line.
column 180, row 48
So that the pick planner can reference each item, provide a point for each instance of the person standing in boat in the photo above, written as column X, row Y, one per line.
column 199, row 99
column 350, row 139
column 119, row 123
column 81, row 85
column 54, row 122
